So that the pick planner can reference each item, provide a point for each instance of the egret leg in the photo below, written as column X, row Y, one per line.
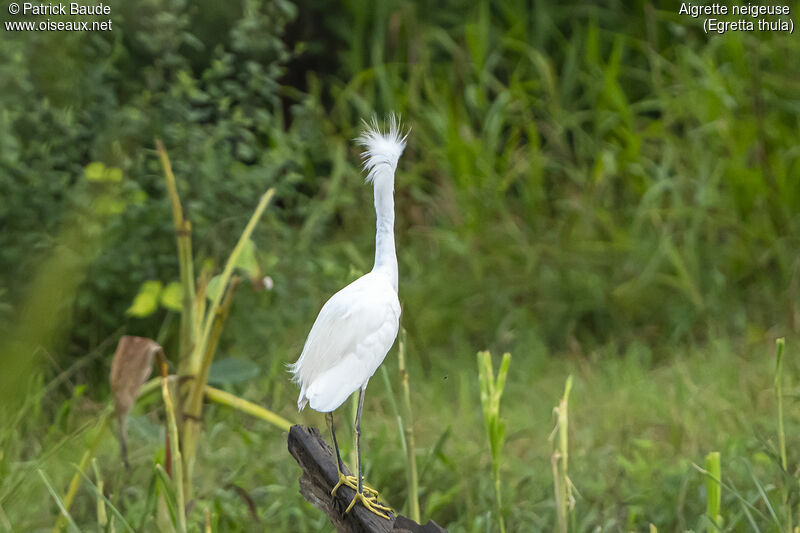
column 349, row 481
column 339, row 464
column 358, row 437
column 370, row 502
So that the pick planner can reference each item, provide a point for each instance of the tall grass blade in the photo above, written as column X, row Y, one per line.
column 4, row 521
column 781, row 432
column 166, row 497
column 733, row 491
column 764, row 497
column 64, row 513
column 102, row 516
column 408, row 429
column 87, row 456
column 177, row 460
column 779, row 400
column 98, row 491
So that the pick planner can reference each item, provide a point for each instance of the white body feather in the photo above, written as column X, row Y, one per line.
column 358, row 325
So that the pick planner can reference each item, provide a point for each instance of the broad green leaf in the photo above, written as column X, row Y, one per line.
column 94, row 171
column 213, row 288
column 232, row 370
column 146, row 302
column 247, row 260
column 172, row 296
column 97, row 171
column 113, row 174
column 108, row 204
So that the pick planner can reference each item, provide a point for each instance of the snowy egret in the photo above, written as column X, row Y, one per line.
column 358, row 325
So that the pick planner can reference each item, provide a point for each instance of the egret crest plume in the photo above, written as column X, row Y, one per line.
column 381, row 147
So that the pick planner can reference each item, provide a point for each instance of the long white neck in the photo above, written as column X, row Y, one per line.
column 385, row 254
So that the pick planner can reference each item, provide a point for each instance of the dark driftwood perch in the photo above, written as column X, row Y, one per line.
column 318, row 462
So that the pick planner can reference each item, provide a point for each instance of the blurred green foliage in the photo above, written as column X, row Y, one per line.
column 587, row 173
column 601, row 181
column 91, row 100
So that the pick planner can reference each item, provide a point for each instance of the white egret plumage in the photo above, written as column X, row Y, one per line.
column 358, row 325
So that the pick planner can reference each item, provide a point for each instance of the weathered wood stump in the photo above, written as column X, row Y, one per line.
column 320, row 475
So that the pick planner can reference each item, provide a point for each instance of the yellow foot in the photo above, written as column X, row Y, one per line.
column 352, row 482
column 371, row 505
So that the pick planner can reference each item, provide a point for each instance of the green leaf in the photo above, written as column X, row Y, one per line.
column 213, row 288
column 501, row 375
column 172, row 297
column 166, row 490
column 99, row 494
column 59, row 503
column 113, row 174
column 232, row 370
column 247, row 260
column 146, row 302
column 95, row 171
column 108, row 204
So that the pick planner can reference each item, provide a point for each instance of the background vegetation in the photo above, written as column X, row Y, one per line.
column 601, row 190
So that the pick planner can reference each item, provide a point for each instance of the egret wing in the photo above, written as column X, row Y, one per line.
column 347, row 343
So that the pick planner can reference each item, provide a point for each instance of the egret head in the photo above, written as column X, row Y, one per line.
column 382, row 148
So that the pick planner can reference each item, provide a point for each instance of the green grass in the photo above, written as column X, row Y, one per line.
column 635, row 431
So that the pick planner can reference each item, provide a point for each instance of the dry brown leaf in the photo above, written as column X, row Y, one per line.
column 130, row 368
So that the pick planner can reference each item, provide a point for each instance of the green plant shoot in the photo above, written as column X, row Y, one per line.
column 491, row 392
column 714, row 490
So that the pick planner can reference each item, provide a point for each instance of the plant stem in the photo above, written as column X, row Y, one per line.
column 411, row 470
column 395, row 408
column 560, row 460
column 781, row 432
column 228, row 399
column 177, row 461
column 202, row 356
column 779, row 398
column 713, row 490
column 195, row 404
column 491, row 393
column 183, row 237
column 102, row 516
